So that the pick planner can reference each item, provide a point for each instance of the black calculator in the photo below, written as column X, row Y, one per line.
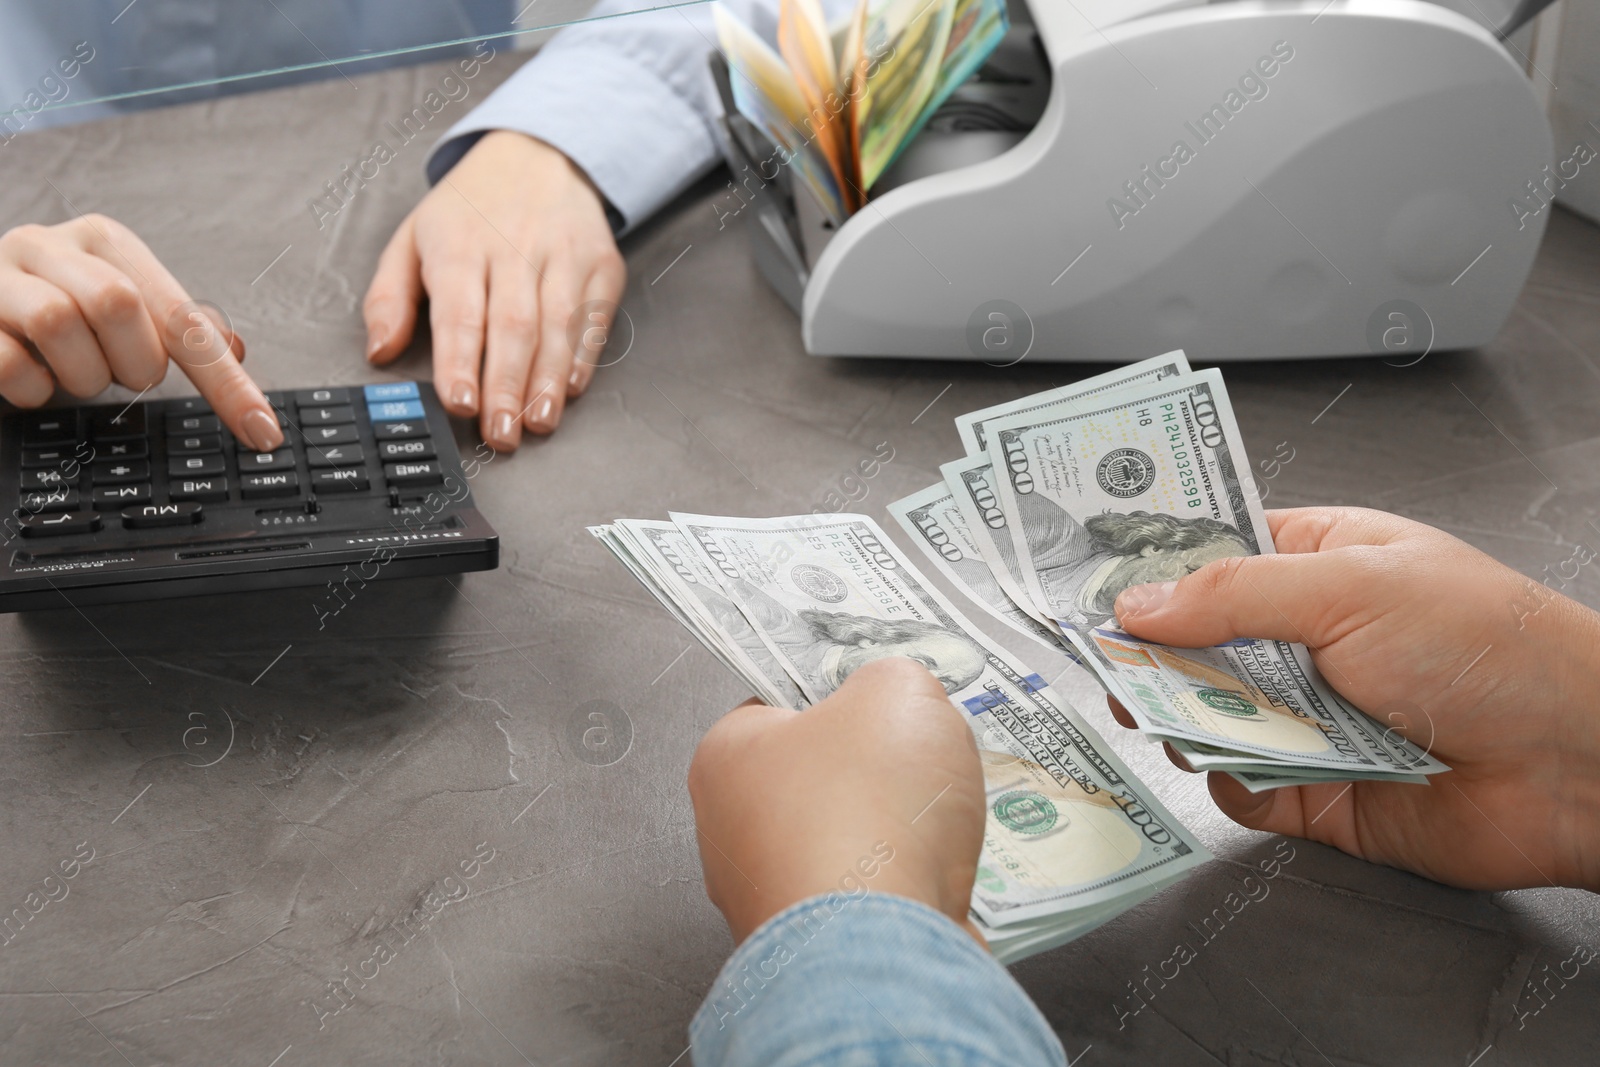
column 157, row 499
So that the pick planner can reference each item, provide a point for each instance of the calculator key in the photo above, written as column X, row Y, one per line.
column 412, row 448
column 339, row 480
column 120, row 471
column 335, row 456
column 409, row 474
column 149, row 515
column 211, row 490
column 281, row 460
column 187, row 424
column 135, row 448
column 329, row 435
column 48, row 500
column 396, row 409
column 47, row 457
column 189, row 405
column 330, row 416
column 64, row 522
column 195, row 466
column 110, row 423
column 390, row 391
column 280, row 483
column 312, row 397
column 194, row 445
column 51, row 478
column 116, row 497
column 390, row 431
column 50, row 428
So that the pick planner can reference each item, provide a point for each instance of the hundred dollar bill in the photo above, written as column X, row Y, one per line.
column 972, row 486
column 1244, row 699
column 1069, row 826
column 679, row 577
column 1145, row 486
column 1071, row 397
column 939, row 527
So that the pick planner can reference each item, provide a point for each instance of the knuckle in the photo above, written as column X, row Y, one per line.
column 1222, row 577
column 87, row 381
column 898, row 671
column 519, row 321
column 50, row 318
column 115, row 300
column 28, row 236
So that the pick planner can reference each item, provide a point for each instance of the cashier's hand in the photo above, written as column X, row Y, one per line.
column 507, row 246
column 86, row 303
column 1495, row 674
column 875, row 789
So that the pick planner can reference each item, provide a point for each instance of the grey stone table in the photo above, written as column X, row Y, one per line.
column 267, row 802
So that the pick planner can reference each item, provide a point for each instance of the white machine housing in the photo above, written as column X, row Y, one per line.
column 1246, row 180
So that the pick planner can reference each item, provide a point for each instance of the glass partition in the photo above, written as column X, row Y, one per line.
column 73, row 60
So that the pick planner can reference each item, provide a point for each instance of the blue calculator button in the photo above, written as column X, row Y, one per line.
column 396, row 409
column 391, row 391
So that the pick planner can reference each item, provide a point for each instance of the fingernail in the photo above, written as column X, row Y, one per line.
column 505, row 425
column 374, row 343
column 463, row 399
column 261, row 430
column 543, row 417
column 1140, row 600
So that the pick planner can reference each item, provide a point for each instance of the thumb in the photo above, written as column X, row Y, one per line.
column 1284, row 597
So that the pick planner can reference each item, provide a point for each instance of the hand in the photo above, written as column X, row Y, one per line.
column 86, row 303
column 877, row 786
column 507, row 246
column 1495, row 674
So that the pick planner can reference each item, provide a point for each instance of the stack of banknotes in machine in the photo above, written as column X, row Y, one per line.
column 793, row 605
column 1068, row 497
column 842, row 102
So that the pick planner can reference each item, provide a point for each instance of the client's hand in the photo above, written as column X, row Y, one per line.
column 506, row 246
column 94, row 305
column 1495, row 674
column 876, row 786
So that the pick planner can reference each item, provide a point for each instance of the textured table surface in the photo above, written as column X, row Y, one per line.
column 262, row 797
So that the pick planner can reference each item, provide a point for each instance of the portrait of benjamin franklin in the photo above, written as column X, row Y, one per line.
column 1083, row 566
column 826, row 646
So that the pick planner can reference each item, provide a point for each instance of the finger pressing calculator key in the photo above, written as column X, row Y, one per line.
column 157, row 499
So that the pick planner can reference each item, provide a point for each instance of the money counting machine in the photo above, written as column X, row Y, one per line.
column 1246, row 180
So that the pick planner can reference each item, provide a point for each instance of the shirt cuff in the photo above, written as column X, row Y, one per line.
column 868, row 980
column 633, row 134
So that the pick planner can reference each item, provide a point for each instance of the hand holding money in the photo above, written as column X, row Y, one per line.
column 798, row 606
column 1493, row 673
column 876, row 789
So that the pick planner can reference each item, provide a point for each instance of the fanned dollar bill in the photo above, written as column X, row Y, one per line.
column 938, row 526
column 660, row 556
column 1072, row 839
column 1248, row 706
column 1069, row 398
column 972, row 486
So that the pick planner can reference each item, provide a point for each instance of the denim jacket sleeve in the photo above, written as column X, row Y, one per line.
column 874, row 980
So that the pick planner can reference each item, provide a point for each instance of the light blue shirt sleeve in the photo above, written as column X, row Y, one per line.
column 626, row 95
column 869, row 981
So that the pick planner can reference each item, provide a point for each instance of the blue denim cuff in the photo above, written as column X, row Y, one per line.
column 867, row 980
